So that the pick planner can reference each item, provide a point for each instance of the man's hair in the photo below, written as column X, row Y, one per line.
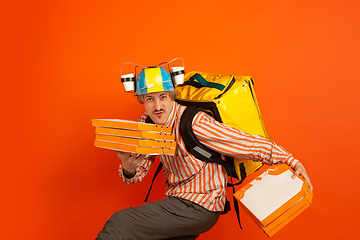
column 173, row 94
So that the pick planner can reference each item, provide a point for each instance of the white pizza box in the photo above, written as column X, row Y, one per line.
column 274, row 198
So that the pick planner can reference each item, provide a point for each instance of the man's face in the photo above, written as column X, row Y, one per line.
column 158, row 106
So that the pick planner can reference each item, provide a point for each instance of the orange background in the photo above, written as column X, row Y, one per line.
column 60, row 69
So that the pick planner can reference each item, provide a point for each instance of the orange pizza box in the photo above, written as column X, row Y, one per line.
column 135, row 134
column 274, row 198
column 132, row 125
column 136, row 141
column 136, row 137
column 134, row 149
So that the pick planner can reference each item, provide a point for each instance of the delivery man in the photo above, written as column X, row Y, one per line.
column 195, row 190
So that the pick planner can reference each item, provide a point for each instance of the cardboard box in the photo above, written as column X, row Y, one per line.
column 274, row 198
column 126, row 124
column 134, row 149
column 135, row 137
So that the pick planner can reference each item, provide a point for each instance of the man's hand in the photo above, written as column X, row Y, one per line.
column 300, row 170
column 130, row 162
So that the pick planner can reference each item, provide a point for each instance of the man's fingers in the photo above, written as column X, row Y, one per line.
column 120, row 154
column 141, row 157
column 138, row 158
column 307, row 178
column 125, row 156
column 135, row 157
column 303, row 173
column 311, row 186
column 296, row 173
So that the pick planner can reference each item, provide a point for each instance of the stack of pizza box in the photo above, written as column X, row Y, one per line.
column 273, row 198
column 135, row 137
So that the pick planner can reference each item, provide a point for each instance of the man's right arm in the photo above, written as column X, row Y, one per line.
column 134, row 167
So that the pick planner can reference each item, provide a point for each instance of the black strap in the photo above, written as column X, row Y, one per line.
column 236, row 206
column 195, row 147
column 192, row 144
column 210, row 108
column 242, row 175
column 152, row 181
column 227, row 208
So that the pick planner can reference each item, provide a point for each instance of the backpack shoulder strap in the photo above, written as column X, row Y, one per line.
column 194, row 146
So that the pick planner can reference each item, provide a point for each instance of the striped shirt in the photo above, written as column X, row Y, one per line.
column 205, row 183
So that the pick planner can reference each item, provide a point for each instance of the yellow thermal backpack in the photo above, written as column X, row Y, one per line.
column 230, row 100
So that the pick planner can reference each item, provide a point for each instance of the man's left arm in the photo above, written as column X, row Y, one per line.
column 236, row 143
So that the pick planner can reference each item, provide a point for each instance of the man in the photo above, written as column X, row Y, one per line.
column 195, row 190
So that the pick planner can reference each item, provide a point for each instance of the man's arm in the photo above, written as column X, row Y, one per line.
column 236, row 143
column 134, row 167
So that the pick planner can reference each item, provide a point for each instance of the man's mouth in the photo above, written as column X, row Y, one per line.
column 159, row 113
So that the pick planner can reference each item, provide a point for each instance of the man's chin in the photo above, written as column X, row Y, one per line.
column 158, row 120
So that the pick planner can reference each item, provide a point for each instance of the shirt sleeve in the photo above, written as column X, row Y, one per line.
column 236, row 143
column 144, row 167
column 141, row 171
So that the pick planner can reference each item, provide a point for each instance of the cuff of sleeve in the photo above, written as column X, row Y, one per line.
column 291, row 161
column 121, row 174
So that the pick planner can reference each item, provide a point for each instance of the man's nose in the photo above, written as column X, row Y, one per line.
column 157, row 105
